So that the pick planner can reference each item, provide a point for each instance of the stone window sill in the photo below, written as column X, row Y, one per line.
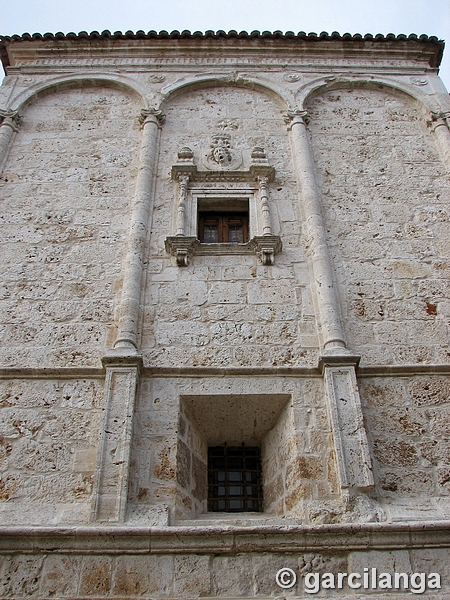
column 184, row 248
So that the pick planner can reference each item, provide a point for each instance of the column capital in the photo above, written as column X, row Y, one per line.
column 441, row 118
column 152, row 115
column 297, row 115
column 10, row 118
column 183, row 178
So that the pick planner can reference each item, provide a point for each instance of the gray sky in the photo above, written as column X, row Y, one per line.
column 354, row 16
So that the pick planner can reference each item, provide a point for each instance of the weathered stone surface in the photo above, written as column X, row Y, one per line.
column 375, row 254
column 356, row 191
column 37, row 463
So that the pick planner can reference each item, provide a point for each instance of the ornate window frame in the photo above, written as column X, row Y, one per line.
column 220, row 179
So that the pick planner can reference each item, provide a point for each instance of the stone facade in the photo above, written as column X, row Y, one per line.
column 129, row 346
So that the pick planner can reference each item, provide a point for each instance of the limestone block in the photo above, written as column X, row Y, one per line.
column 60, row 575
column 395, row 453
column 231, row 333
column 429, row 391
column 192, row 576
column 187, row 333
column 407, row 482
column 141, row 575
column 267, row 292
column 432, row 561
column 95, row 576
column 394, row 561
column 272, row 333
column 227, row 293
column 81, row 394
column 21, row 576
column 231, row 576
column 194, row 292
column 398, row 421
column 434, row 451
column 265, row 568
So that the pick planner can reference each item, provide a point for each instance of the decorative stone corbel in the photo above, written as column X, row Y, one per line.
column 266, row 247
column 182, row 247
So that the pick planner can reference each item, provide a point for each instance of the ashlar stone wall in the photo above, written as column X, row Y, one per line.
column 386, row 196
column 228, row 310
column 64, row 195
column 48, row 446
column 408, row 421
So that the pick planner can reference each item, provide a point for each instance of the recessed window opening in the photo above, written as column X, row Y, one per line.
column 223, row 221
column 234, row 479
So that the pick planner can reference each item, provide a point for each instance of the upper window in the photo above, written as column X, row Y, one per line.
column 223, row 228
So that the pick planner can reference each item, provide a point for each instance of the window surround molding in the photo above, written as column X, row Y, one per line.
column 222, row 184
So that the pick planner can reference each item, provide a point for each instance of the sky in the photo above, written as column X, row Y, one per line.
column 431, row 17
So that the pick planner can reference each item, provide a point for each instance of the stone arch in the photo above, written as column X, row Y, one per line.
column 324, row 84
column 74, row 81
column 191, row 82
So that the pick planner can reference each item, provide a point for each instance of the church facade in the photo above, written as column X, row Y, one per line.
column 225, row 359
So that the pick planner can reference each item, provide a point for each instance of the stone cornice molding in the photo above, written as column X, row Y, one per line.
column 29, row 50
column 285, row 536
column 374, row 371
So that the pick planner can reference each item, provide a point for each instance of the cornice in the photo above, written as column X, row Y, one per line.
column 95, row 46
column 288, row 371
column 222, row 539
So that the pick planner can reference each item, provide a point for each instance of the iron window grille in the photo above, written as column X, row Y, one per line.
column 234, row 479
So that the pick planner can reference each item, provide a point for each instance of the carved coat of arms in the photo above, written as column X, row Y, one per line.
column 221, row 155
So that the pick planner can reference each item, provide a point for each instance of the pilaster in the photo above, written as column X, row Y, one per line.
column 350, row 439
column 109, row 498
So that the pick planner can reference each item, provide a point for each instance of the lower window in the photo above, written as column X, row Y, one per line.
column 234, row 479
